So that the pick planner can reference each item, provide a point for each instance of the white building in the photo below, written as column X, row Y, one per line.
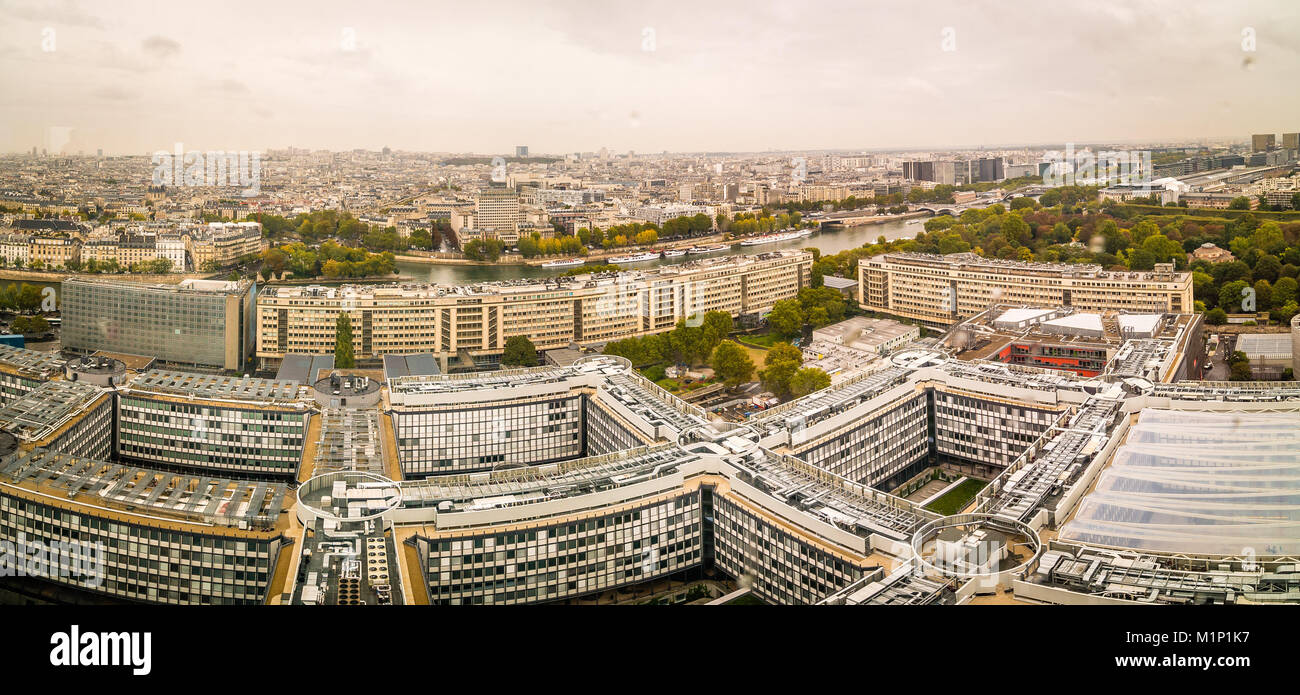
column 15, row 248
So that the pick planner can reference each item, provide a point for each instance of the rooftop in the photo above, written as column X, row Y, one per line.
column 145, row 491
column 214, row 387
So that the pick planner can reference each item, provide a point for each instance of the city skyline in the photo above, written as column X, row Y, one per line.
column 134, row 78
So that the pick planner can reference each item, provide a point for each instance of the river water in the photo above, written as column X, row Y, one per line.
column 829, row 242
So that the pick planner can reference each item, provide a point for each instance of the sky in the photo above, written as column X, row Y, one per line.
column 564, row 76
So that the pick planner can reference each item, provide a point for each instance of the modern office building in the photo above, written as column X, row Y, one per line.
column 247, row 427
column 205, row 323
column 144, row 535
column 497, row 211
column 472, row 323
column 23, row 370
column 940, row 290
column 1262, row 143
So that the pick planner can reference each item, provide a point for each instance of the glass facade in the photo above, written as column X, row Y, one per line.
column 147, row 563
column 565, row 560
column 456, row 439
column 202, row 436
column 175, row 325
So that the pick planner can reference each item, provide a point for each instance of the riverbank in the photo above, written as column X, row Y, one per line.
column 598, row 255
column 51, row 278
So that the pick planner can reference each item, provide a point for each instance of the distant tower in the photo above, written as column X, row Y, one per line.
column 521, row 150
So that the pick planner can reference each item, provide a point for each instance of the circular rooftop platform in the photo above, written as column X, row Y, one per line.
column 346, row 391
column 96, row 369
column 967, row 546
column 349, row 496
column 916, row 358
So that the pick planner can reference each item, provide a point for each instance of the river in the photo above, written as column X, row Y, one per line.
column 829, row 242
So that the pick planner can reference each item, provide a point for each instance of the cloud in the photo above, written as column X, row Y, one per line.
column 160, row 47
column 67, row 13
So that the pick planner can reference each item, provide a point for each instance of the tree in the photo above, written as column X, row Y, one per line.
column 1230, row 296
column 732, row 364
column 343, row 354
column 28, row 325
column 1263, row 295
column 786, row 319
column 716, row 326
column 783, row 352
column 1240, row 371
column 1216, row 317
column 28, row 299
column 519, row 352
column 807, row 380
column 1285, row 290
column 776, row 378
column 1241, row 202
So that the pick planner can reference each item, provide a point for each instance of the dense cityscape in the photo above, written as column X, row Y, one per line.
column 508, row 331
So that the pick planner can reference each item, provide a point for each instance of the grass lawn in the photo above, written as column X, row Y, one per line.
column 957, row 498
column 764, row 340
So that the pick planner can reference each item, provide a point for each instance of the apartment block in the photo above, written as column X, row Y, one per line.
column 940, row 290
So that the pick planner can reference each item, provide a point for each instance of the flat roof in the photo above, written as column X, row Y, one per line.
column 33, row 362
column 199, row 498
column 1265, row 345
column 44, row 409
column 1018, row 315
column 215, row 387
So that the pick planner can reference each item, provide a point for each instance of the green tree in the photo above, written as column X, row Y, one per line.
column 1230, row 296
column 1285, row 290
column 1240, row 371
column 344, row 358
column 783, row 352
column 1263, row 295
column 732, row 364
column 776, row 377
column 1241, row 202
column 28, row 299
column 786, row 319
column 716, row 326
column 1216, row 317
column 807, row 380
column 519, row 352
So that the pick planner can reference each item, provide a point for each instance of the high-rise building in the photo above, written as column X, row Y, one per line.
column 1291, row 141
column 521, row 150
column 207, row 323
column 497, row 209
column 1262, row 143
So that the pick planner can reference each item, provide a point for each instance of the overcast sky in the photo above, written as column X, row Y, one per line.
column 452, row 75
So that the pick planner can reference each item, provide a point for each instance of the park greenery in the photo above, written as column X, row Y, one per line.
column 24, row 298
column 784, row 374
column 690, row 343
column 30, row 325
column 330, row 260
column 814, row 306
